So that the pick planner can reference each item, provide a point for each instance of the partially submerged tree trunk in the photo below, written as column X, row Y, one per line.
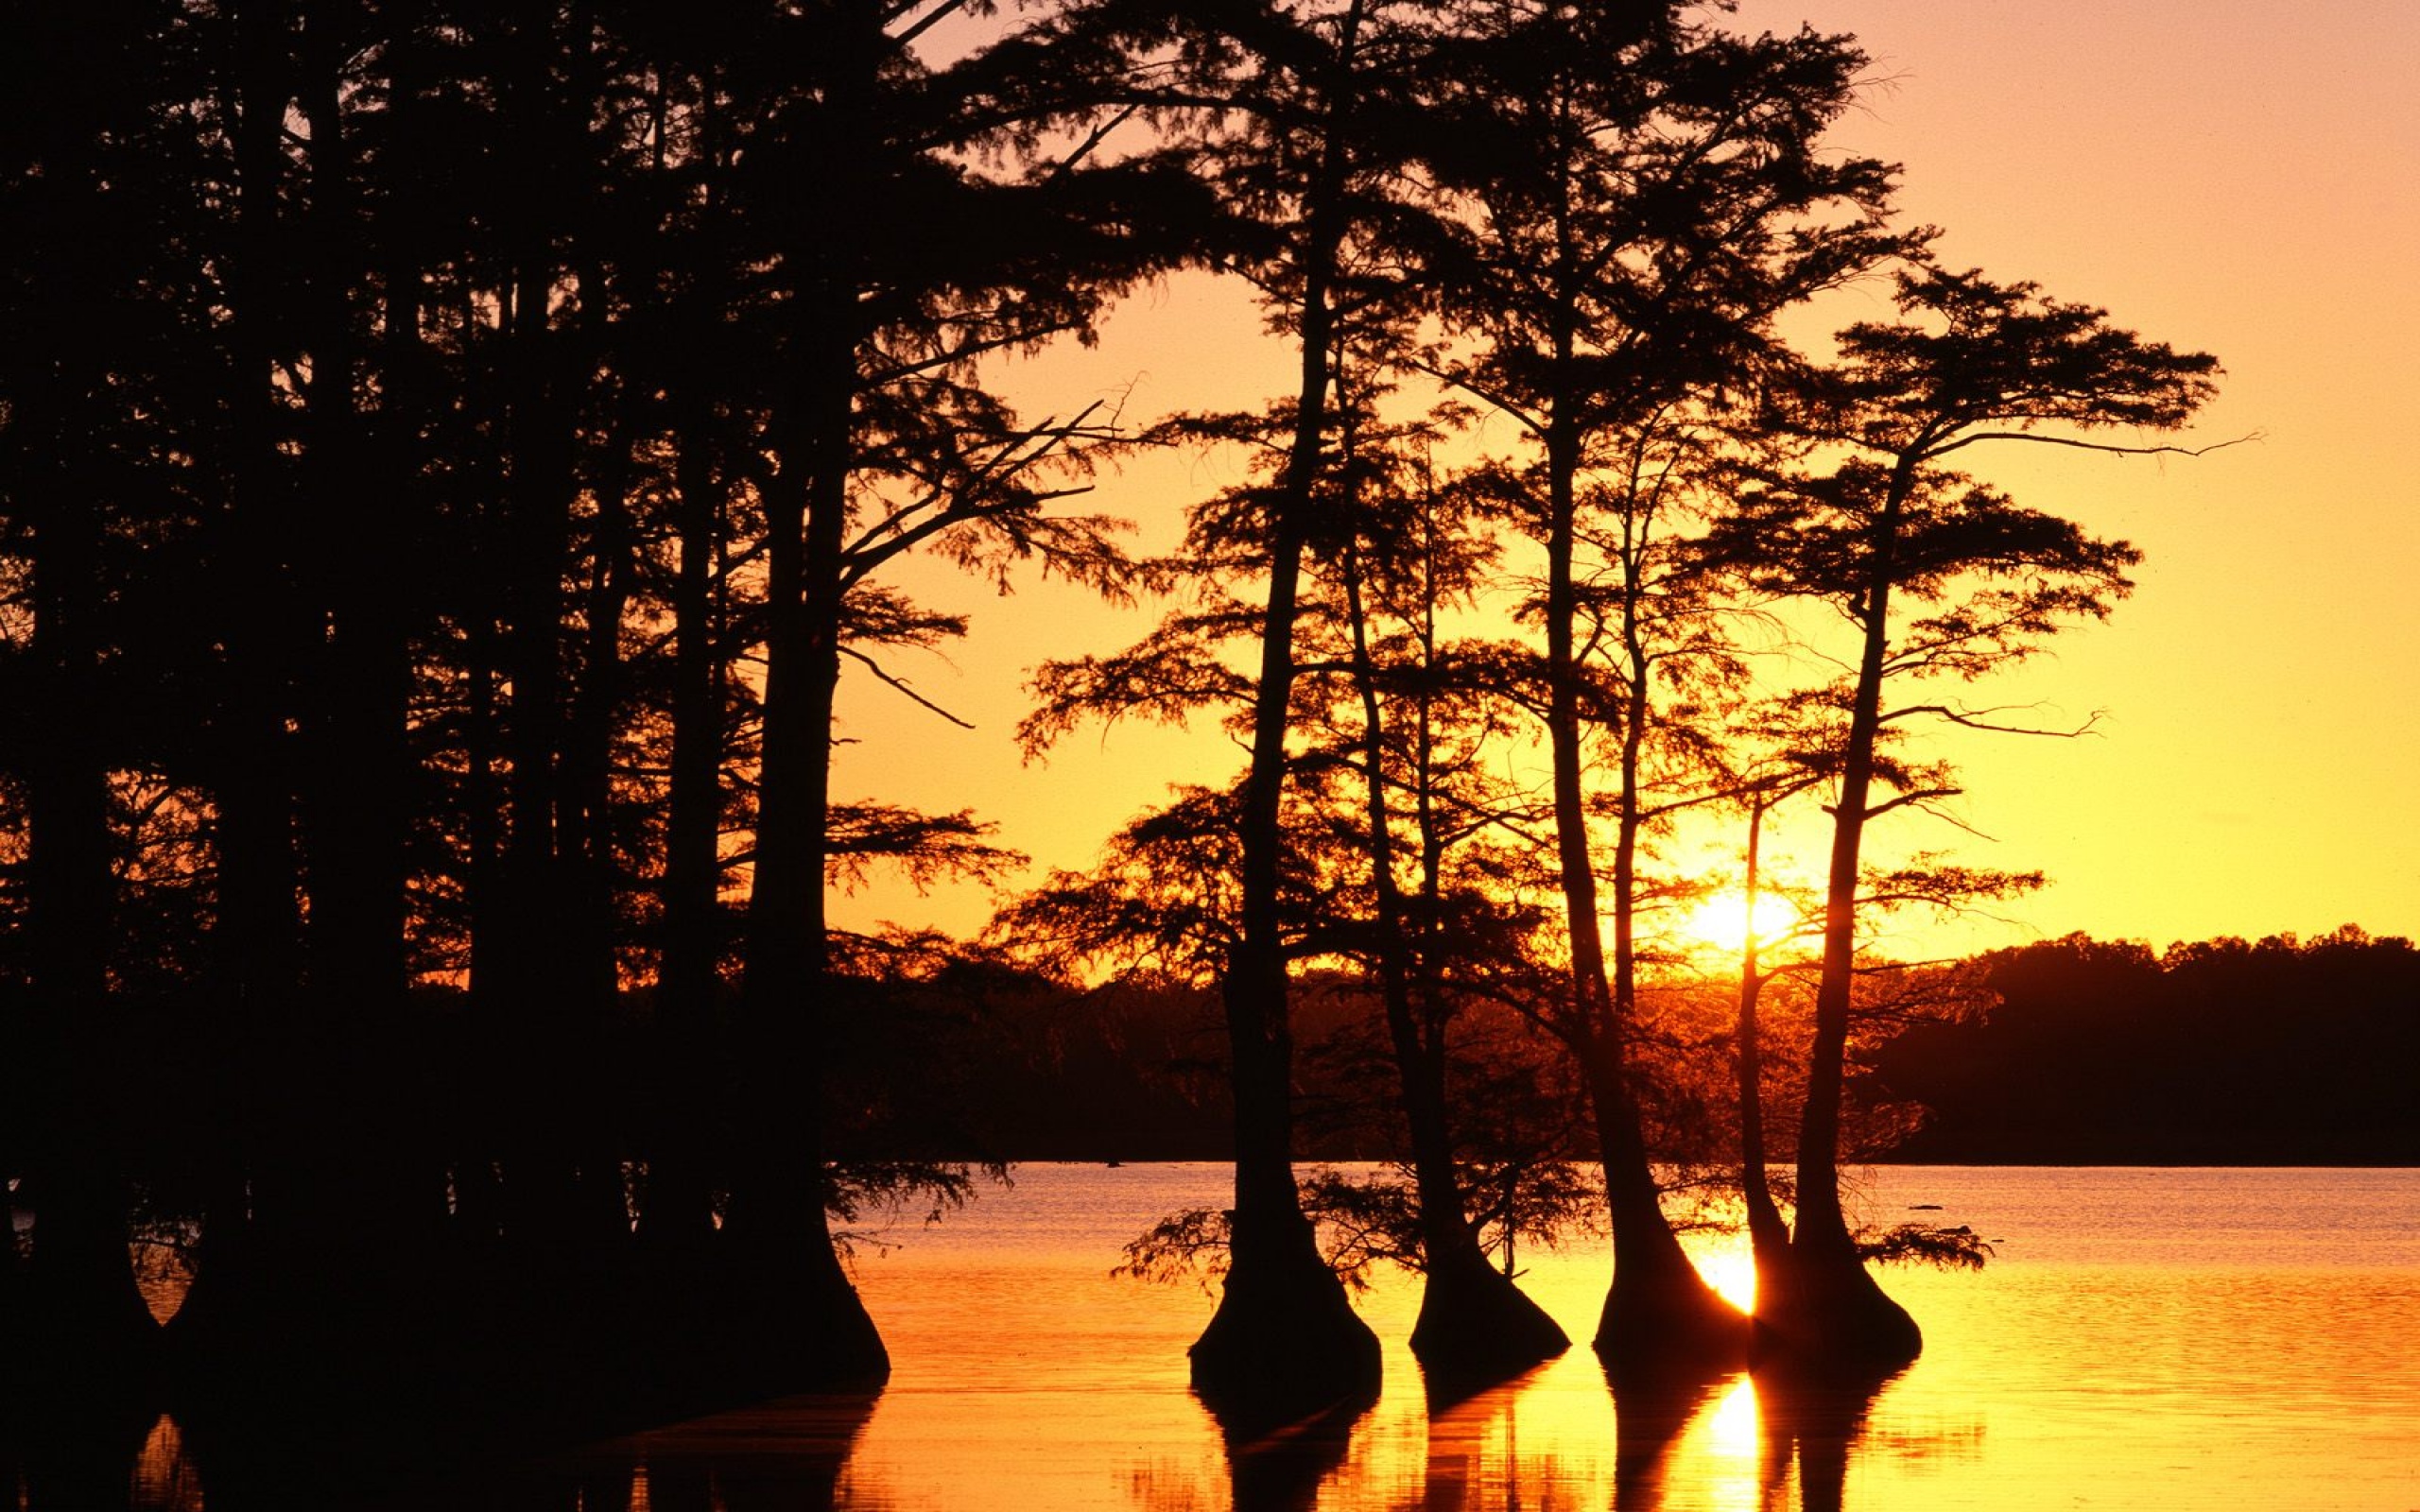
column 778, row 1178
column 1970, row 361
column 1658, row 1304
column 1285, row 1341
column 777, row 1224
column 1767, row 1236
column 81, row 1318
column 1827, row 1306
column 1659, row 1309
column 1476, row 1327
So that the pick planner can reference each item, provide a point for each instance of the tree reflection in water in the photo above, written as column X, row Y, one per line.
column 1461, row 1422
column 1673, row 1431
column 165, row 1480
column 1282, row 1467
column 72, row 1457
column 1814, row 1418
column 1652, row 1404
column 787, row 1455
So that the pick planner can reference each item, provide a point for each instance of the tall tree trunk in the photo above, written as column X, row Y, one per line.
column 1658, row 1307
column 373, row 1207
column 779, row 1178
column 542, row 1176
column 679, row 1209
column 82, row 1316
column 589, row 968
column 1475, row 1325
column 1829, row 1308
column 256, row 956
column 1768, row 1237
column 1284, row 1340
column 479, row 1206
column 678, row 1212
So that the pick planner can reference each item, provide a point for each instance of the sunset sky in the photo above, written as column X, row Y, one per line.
column 2218, row 178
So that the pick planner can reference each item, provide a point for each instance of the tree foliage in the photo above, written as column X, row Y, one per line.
column 450, row 457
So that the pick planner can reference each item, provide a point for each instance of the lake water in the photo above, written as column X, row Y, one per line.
column 2210, row 1339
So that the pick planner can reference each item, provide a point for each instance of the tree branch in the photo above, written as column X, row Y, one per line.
column 2083, row 445
column 941, row 12
column 1974, row 721
column 876, row 667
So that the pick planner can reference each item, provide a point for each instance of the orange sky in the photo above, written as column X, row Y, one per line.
column 2217, row 181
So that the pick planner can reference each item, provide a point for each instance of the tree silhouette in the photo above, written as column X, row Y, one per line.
column 1644, row 196
column 1474, row 1325
column 1802, row 735
column 451, row 456
column 881, row 443
column 1885, row 525
column 408, row 413
column 1304, row 120
column 86, row 476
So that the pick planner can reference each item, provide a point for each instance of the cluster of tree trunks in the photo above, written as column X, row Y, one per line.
column 447, row 450
column 449, row 455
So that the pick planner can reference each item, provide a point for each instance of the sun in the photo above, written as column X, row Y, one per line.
column 1720, row 921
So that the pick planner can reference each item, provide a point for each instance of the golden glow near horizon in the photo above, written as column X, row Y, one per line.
column 2220, row 177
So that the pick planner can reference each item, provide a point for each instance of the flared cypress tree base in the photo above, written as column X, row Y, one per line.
column 1477, row 1328
column 1667, row 1316
column 1821, row 1311
column 1284, row 1345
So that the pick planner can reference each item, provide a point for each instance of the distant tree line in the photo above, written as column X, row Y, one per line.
column 450, row 455
column 2072, row 1050
column 2218, row 1053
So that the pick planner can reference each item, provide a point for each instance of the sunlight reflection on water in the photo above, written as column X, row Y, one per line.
column 2217, row 1339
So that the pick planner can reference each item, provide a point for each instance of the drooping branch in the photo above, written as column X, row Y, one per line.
column 1919, row 798
column 900, row 684
column 2080, row 443
column 1974, row 720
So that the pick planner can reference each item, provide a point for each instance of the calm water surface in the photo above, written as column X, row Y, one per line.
column 2145, row 1339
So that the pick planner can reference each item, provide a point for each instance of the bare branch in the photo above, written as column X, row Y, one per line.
column 1918, row 797
column 2083, row 445
column 1084, row 148
column 1957, row 823
column 892, row 535
column 1975, row 721
column 923, row 23
column 876, row 667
